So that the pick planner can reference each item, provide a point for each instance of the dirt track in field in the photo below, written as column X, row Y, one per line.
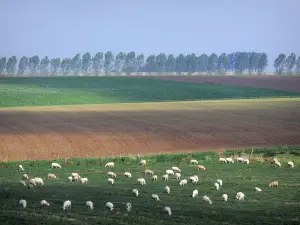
column 284, row 83
column 129, row 129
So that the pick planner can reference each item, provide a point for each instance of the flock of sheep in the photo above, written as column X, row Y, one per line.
column 174, row 171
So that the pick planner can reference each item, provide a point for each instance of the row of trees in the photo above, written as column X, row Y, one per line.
column 238, row 62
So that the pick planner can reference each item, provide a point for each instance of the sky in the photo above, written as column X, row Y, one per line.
column 59, row 28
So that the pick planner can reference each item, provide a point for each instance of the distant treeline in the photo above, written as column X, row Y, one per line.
column 237, row 62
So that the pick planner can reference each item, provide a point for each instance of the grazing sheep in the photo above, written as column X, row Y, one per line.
column 220, row 182
column 36, row 181
column 222, row 160
column 240, row 159
column 67, row 205
column 44, row 203
column 21, row 168
column 201, row 167
column 128, row 206
column 76, row 178
column 136, row 192
column 154, row 177
column 23, row 203
column 75, row 175
column 246, row 161
column 109, row 165
column 207, row 199
column 111, row 181
column 195, row 193
column 167, row 189
column 25, row 176
column 127, row 174
column 51, row 176
column 168, row 210
column 274, row 184
column 155, row 197
column 170, row 172
column 178, row 175
column 22, row 182
column 110, row 206
column 277, row 163
column 55, row 165
column 176, row 169
column 84, row 180
column 194, row 179
column 217, row 185
column 193, row 161
column 111, row 174
column 141, row 181
column 224, row 197
column 183, row 182
column 90, row 205
column 229, row 160
column 257, row 189
column 275, row 160
column 165, row 177
column 291, row 164
column 148, row 172
column 240, row 196
column 143, row 162
column 70, row 179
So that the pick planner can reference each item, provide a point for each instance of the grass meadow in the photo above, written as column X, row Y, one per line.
column 271, row 206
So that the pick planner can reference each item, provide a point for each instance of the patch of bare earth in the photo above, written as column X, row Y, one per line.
column 284, row 83
column 125, row 129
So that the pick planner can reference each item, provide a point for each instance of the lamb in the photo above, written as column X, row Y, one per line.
column 183, row 182
column 195, row 193
column 207, row 199
column 217, row 186
column 21, row 168
column 67, row 205
column 291, row 164
column 178, row 175
column 176, row 169
column 224, row 197
column 165, row 177
column 51, row 176
column 220, row 182
column 111, row 181
column 222, row 160
column 246, row 161
column 25, row 176
column 149, row 172
column 257, row 189
column 240, row 196
column 110, row 206
column 23, row 203
column 141, row 181
column 135, row 191
column 111, row 174
column 201, row 167
column 168, row 210
column 44, row 203
column 55, row 165
column 155, row 197
column 128, row 206
column 90, row 205
column 167, row 189
column 154, row 177
column 240, row 159
column 170, row 172
column 193, row 161
column 229, row 160
column 277, row 163
column 274, row 184
column 143, row 162
column 127, row 174
column 22, row 182
column 84, row 180
column 109, row 165
column 36, row 181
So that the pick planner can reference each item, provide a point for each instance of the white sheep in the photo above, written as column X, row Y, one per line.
column 36, row 181
column 84, row 180
column 207, row 199
column 111, row 174
column 75, row 175
column 240, row 196
column 21, row 168
column 136, row 192
column 291, row 164
column 22, row 182
column 168, row 210
column 195, row 193
column 44, row 203
column 246, row 161
column 67, row 205
column 193, row 161
column 277, row 163
column 90, row 205
column 154, row 177
column 51, row 176
column 178, row 175
column 220, row 182
column 217, row 185
column 165, row 177
column 229, row 160
column 110, row 206
column 143, row 162
column 23, row 203
column 30, row 186
column 201, row 167
column 183, row 182
column 155, row 197
column 109, row 165
column 194, row 179
column 149, row 172
column 176, row 169
column 275, row 160
column 224, row 197
column 240, row 159
column 170, row 172
column 274, row 184
column 167, row 189
column 110, row 180
column 141, row 181
column 257, row 189
column 55, row 165
column 25, row 176
column 127, row 174
column 70, row 179
column 222, row 160
column 128, row 206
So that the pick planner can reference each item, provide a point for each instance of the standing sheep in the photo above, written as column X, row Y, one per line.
column 84, row 180
column 167, row 189
column 51, row 176
column 291, row 164
column 222, row 160
column 165, row 177
column 36, row 181
column 155, row 197
column 23, row 203
column 217, row 186
column 176, row 169
column 110, row 206
column 141, row 181
column 143, row 162
column 22, row 182
column 277, row 163
column 25, row 176
column 201, row 167
column 207, row 199
column 67, row 205
column 111, row 181
column 178, row 175
column 148, row 172
column 183, row 182
column 90, row 205
column 224, row 197
column 193, row 161
column 127, row 174
column 220, row 182
column 111, row 174
column 246, row 161
column 168, row 210
column 44, row 203
column 109, row 165
column 195, row 193
column 55, row 165
column 240, row 159
column 128, row 206
column 170, row 172
column 154, row 177
column 229, row 160
column 240, row 196
column 70, row 179
column 135, row 192
column 274, row 184
column 21, row 168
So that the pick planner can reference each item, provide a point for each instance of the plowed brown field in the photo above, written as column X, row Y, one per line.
column 146, row 128
column 284, row 83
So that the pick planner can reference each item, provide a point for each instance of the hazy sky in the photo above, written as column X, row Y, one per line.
column 62, row 28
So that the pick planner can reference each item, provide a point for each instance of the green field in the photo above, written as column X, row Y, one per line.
column 98, row 90
column 272, row 206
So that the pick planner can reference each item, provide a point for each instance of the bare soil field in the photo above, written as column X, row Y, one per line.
column 283, row 83
column 146, row 128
